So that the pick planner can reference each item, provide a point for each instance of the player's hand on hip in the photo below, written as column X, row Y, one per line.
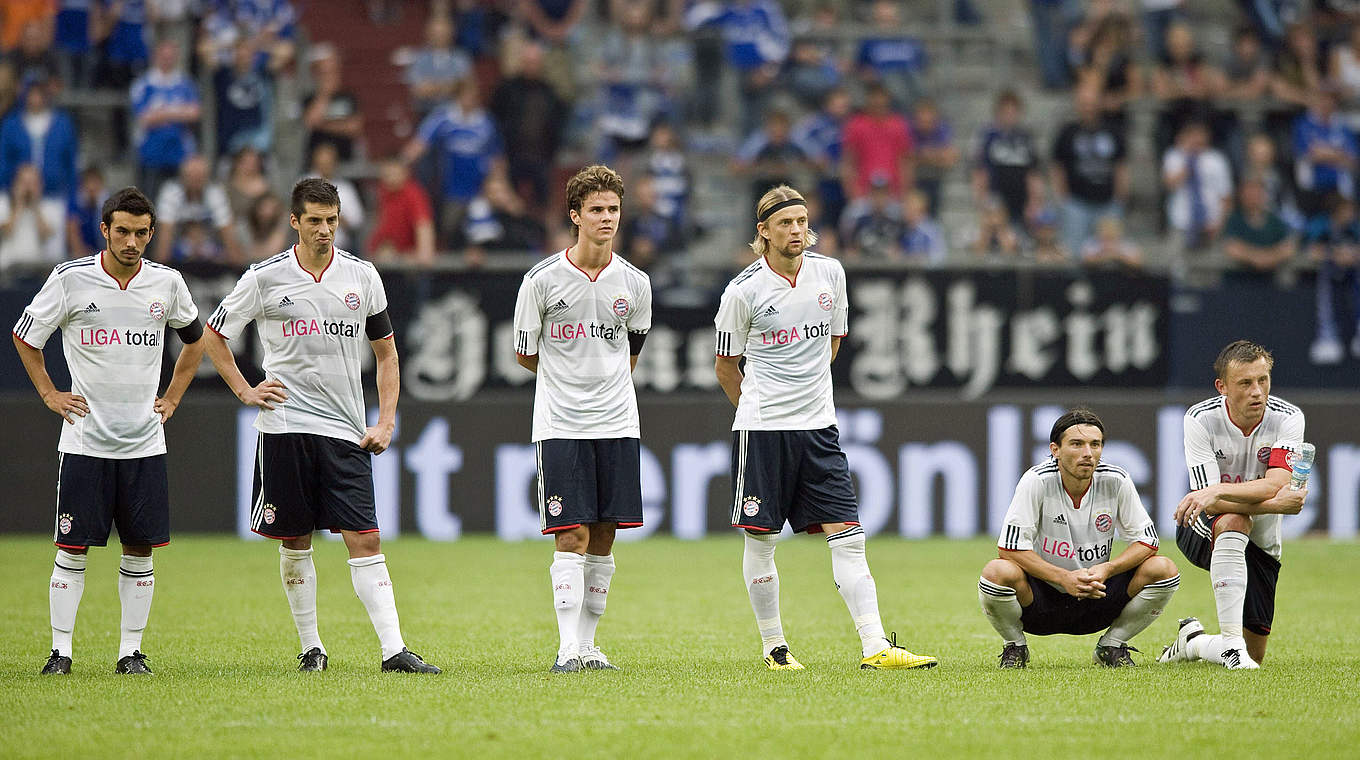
column 165, row 408
column 1193, row 504
column 265, row 395
column 67, row 404
column 376, row 439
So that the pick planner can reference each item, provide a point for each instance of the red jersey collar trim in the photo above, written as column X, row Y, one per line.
column 566, row 254
column 315, row 277
column 792, row 283
column 105, row 267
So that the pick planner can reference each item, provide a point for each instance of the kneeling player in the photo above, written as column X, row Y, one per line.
column 1054, row 574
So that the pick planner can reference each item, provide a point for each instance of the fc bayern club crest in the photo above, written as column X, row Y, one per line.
column 352, row 300
column 621, row 307
column 268, row 515
column 554, row 505
column 1289, row 457
column 64, row 524
column 1104, row 523
column 750, row 506
column 825, row 301
column 1263, row 454
column 157, row 310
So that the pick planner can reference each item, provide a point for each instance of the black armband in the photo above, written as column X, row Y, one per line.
column 378, row 326
column 191, row 332
column 635, row 340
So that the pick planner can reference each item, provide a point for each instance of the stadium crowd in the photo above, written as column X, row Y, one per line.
column 1250, row 121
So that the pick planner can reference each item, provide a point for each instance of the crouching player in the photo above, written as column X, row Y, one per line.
column 1055, row 573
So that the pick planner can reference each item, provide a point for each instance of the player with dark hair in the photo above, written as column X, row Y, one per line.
column 112, row 309
column 581, row 317
column 316, row 309
column 1239, row 448
column 1056, row 571
column 785, row 315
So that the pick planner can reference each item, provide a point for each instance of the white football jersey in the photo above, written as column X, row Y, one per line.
column 114, row 339
column 784, row 328
column 1043, row 518
column 313, row 331
column 579, row 329
column 1217, row 451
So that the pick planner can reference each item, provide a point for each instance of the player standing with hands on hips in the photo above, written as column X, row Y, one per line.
column 581, row 317
column 316, row 309
column 1240, row 448
column 786, row 314
column 112, row 309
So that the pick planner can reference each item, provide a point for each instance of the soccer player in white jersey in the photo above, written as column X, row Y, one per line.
column 112, row 309
column 1239, row 448
column 1056, row 571
column 786, row 314
column 581, row 317
column 316, row 309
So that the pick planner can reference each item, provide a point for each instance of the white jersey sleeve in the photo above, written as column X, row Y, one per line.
column 377, row 294
column 239, row 308
column 529, row 318
column 44, row 315
column 183, row 310
column 840, row 313
column 1134, row 522
column 733, row 323
column 1200, row 459
column 640, row 317
column 1021, row 524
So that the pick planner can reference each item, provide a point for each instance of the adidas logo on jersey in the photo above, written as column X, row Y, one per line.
column 1218, row 453
column 769, row 312
column 91, row 309
column 1060, row 520
column 557, row 308
column 285, row 301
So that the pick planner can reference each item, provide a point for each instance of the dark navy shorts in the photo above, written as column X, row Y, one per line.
column 1263, row 572
column 587, row 481
column 94, row 493
column 306, row 482
column 795, row 476
column 1055, row 611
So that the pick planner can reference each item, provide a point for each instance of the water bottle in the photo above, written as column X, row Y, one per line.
column 1303, row 466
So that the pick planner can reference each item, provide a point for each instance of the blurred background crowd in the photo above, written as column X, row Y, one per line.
column 1190, row 139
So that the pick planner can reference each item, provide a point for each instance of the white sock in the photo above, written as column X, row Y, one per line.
column 1228, row 573
column 568, row 575
column 136, row 585
column 762, row 584
column 1003, row 610
column 299, row 586
column 1139, row 613
column 1210, row 647
column 373, row 586
column 599, row 571
column 850, row 569
column 63, row 598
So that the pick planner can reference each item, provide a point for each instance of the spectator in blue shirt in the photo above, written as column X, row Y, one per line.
column 757, row 40
column 922, row 239
column 936, row 153
column 244, row 92
column 1325, row 153
column 819, row 135
column 469, row 149
column 668, row 168
column 1334, row 243
column 770, row 156
column 122, row 35
column 83, row 236
column 437, row 69
column 75, row 53
column 166, row 108
column 269, row 24
column 44, row 137
column 898, row 62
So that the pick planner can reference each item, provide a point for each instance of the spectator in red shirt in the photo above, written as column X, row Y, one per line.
column 405, row 224
column 877, row 142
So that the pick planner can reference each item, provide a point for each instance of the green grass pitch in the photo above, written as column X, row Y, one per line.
column 222, row 644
